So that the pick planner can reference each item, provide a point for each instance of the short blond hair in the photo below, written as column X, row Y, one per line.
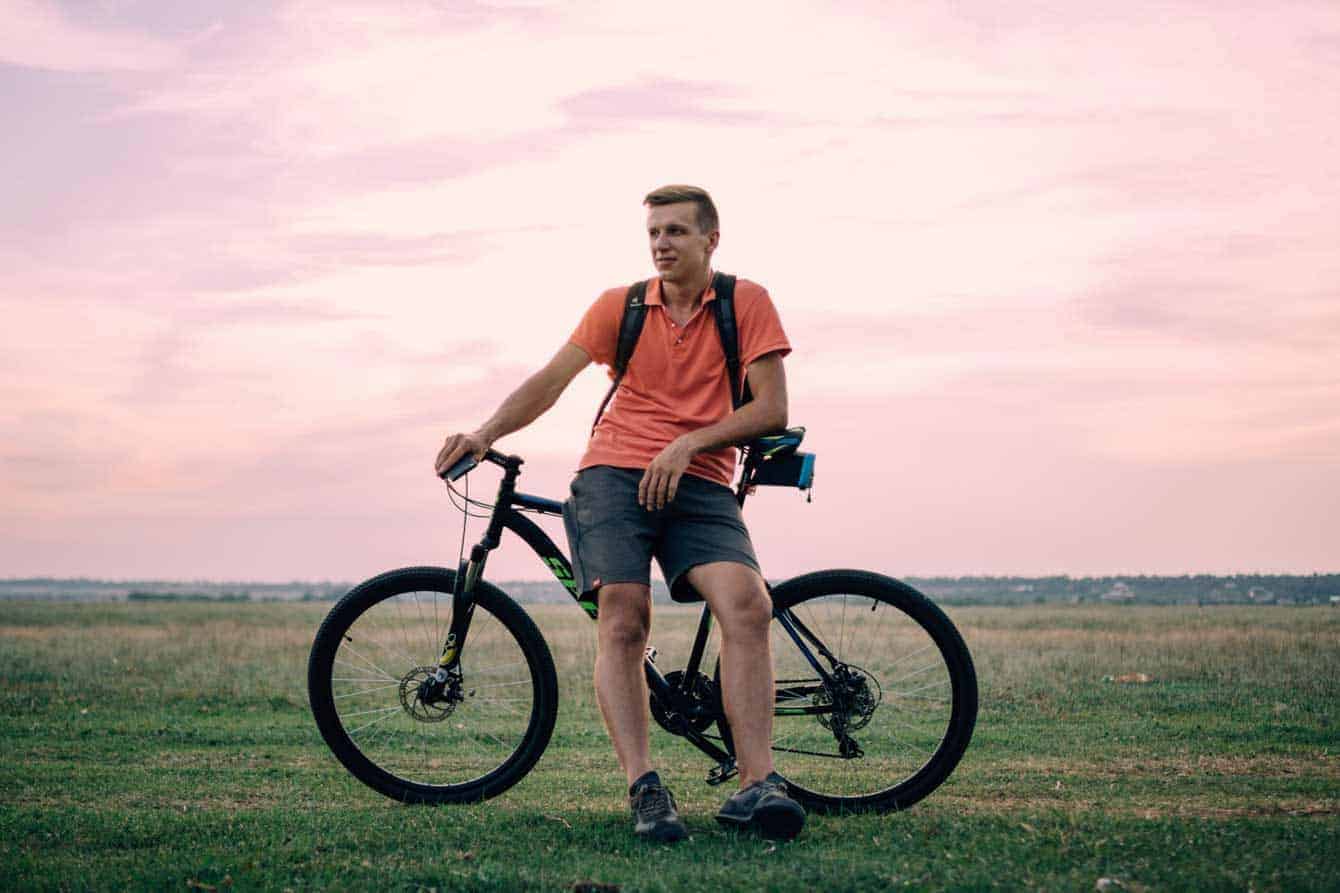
column 708, row 221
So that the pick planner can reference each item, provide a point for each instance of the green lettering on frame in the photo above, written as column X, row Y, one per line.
column 562, row 573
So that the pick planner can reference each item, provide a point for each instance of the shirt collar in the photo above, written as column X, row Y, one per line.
column 653, row 297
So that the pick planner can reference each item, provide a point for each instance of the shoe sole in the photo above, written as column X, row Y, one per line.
column 664, row 833
column 779, row 821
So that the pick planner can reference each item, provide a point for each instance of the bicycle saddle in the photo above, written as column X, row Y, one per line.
column 770, row 446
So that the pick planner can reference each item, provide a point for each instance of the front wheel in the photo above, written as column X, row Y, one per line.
column 897, row 712
column 367, row 676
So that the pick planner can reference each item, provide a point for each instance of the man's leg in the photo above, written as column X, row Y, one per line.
column 622, row 626
column 621, row 689
column 742, row 608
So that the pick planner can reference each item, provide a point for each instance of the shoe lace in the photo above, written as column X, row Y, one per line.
column 652, row 801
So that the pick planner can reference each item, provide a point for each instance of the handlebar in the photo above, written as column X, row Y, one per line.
column 463, row 464
column 467, row 462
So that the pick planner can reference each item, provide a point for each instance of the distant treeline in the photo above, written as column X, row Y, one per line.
column 137, row 596
column 1203, row 589
column 53, row 589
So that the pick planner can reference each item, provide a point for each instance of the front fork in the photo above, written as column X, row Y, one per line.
column 462, row 611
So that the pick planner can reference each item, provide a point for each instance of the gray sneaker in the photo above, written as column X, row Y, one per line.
column 764, row 807
column 654, row 815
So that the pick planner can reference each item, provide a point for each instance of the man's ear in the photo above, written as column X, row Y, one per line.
column 713, row 241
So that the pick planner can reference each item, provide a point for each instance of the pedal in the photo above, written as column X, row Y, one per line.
column 722, row 772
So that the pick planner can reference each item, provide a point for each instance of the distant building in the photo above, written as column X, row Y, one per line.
column 1261, row 595
column 1119, row 592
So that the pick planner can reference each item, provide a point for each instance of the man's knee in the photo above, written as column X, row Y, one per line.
column 624, row 620
column 739, row 600
column 747, row 615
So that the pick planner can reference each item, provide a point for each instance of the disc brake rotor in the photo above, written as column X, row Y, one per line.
column 860, row 695
column 412, row 687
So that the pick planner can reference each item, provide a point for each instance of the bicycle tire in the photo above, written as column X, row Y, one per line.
column 912, row 738
column 414, row 753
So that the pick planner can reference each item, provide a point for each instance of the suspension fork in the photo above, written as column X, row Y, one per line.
column 462, row 611
column 469, row 573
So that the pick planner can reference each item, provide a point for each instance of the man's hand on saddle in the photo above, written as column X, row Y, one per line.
column 456, row 447
column 661, row 479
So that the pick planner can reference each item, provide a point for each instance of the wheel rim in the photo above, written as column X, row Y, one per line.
column 378, row 672
column 894, row 704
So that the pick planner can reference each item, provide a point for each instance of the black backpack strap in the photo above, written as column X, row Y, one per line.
column 630, row 327
column 724, row 310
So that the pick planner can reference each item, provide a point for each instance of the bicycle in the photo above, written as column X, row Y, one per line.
column 434, row 686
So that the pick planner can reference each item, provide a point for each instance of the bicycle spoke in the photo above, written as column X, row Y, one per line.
column 894, row 707
column 427, row 630
column 921, row 650
column 909, row 692
column 926, row 669
column 502, row 684
column 353, row 651
column 517, row 663
column 350, row 694
column 388, row 715
column 444, row 742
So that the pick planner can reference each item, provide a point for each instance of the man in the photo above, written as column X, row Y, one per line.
column 655, row 481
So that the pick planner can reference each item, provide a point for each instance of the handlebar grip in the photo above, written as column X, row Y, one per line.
column 463, row 464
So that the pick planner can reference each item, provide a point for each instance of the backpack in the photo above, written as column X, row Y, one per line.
column 723, row 309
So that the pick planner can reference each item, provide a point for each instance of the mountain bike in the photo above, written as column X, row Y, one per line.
column 433, row 686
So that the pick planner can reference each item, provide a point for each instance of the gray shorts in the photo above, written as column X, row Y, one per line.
column 613, row 539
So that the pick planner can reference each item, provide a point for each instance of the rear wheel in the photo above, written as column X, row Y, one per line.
column 901, row 706
column 369, row 683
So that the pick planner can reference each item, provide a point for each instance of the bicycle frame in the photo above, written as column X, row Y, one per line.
column 505, row 515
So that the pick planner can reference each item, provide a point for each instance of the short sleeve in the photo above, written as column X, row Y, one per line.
column 760, row 327
column 598, row 332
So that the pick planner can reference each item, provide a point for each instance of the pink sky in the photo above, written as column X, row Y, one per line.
column 1062, row 279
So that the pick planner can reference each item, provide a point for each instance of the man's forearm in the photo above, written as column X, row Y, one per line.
column 749, row 421
column 523, row 406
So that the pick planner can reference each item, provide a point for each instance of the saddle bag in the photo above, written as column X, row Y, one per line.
column 794, row 469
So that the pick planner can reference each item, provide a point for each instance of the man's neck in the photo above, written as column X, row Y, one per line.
column 686, row 295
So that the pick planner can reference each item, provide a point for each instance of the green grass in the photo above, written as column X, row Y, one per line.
column 167, row 745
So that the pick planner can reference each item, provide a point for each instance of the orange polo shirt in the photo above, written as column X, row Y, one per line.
column 676, row 381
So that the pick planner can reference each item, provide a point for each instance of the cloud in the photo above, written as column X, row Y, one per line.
column 1005, row 241
column 656, row 100
column 41, row 35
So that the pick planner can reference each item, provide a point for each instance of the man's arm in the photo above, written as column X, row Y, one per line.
column 766, row 413
column 523, row 406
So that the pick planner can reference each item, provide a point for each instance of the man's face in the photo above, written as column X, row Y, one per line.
column 680, row 251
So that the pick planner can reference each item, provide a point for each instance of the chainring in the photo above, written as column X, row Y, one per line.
column 702, row 692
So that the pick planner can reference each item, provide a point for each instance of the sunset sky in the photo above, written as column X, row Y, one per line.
column 1062, row 279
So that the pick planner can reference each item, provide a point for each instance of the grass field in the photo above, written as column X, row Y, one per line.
column 170, row 746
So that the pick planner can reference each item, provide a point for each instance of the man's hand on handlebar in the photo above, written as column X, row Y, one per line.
column 457, row 447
